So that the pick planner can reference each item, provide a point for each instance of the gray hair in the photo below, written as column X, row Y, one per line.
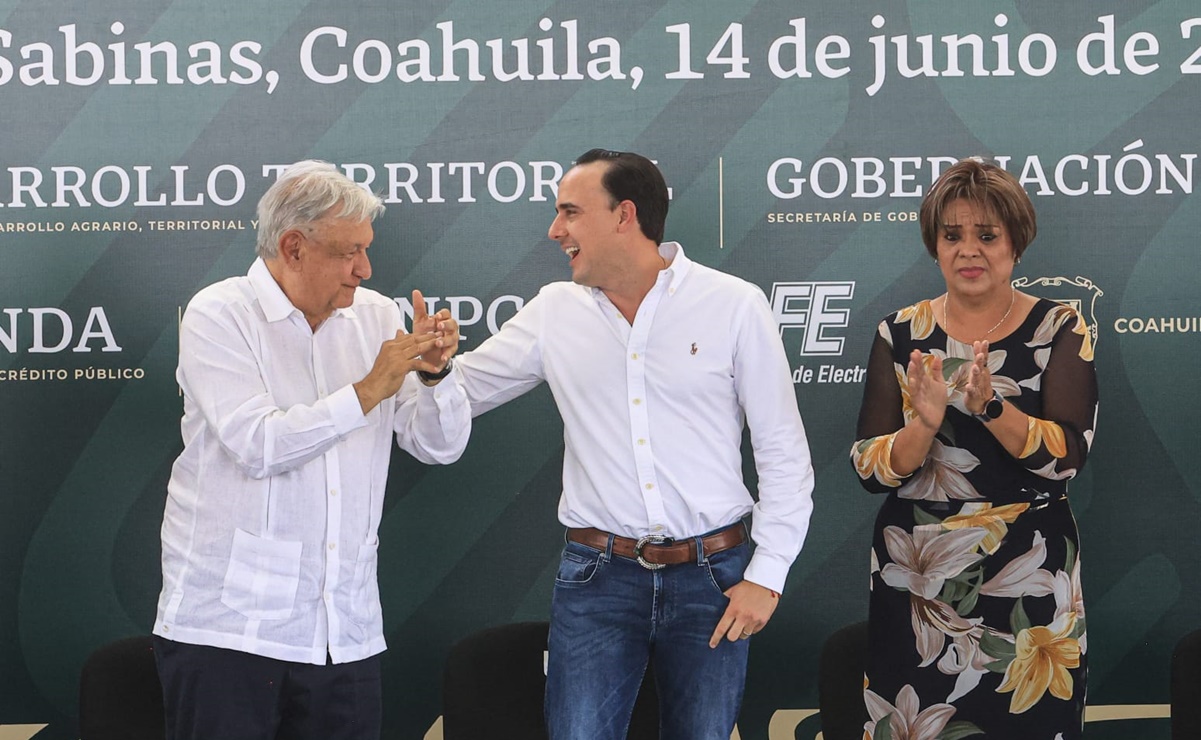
column 306, row 193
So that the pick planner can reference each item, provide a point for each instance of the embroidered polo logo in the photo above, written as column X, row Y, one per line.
column 693, row 352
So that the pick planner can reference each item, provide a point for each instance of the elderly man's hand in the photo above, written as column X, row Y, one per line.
column 396, row 359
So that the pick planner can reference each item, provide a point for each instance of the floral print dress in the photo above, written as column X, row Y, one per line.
column 976, row 617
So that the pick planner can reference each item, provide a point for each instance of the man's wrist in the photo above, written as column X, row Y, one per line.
column 368, row 399
column 433, row 378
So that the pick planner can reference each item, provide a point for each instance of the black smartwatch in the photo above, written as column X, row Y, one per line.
column 431, row 377
column 994, row 408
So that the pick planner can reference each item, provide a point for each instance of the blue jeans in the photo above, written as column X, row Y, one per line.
column 610, row 617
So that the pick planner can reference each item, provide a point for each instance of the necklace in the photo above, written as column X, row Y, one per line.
column 946, row 322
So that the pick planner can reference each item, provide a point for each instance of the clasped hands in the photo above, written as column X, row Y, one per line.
column 928, row 388
column 433, row 341
column 441, row 327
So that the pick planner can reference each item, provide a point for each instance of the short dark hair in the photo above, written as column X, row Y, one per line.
column 989, row 188
column 635, row 178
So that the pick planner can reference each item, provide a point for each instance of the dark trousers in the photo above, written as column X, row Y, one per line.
column 212, row 693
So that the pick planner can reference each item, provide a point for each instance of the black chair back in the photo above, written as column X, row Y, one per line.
column 120, row 697
column 1186, row 687
column 840, row 683
column 494, row 684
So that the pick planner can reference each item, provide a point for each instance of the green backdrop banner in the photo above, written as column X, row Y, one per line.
column 797, row 138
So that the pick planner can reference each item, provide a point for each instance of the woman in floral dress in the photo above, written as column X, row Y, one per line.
column 979, row 406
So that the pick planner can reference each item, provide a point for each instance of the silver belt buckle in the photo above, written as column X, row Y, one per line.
column 650, row 539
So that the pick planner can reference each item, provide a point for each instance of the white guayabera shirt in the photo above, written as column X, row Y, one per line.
column 269, row 534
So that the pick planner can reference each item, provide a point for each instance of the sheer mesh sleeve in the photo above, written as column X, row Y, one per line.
column 1057, row 442
column 880, row 418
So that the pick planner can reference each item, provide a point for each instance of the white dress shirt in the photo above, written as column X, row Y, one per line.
column 653, row 412
column 269, row 534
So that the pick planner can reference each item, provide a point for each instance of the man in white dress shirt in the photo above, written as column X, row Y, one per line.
column 295, row 381
column 656, row 363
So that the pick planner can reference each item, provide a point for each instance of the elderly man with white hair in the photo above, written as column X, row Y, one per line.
column 295, row 381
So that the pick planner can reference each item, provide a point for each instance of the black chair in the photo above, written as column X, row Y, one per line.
column 494, row 682
column 120, row 697
column 840, row 683
column 1186, row 687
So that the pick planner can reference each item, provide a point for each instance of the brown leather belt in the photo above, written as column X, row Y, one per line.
column 655, row 551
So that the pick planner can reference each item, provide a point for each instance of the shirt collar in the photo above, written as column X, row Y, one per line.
column 276, row 306
column 678, row 265
column 675, row 272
